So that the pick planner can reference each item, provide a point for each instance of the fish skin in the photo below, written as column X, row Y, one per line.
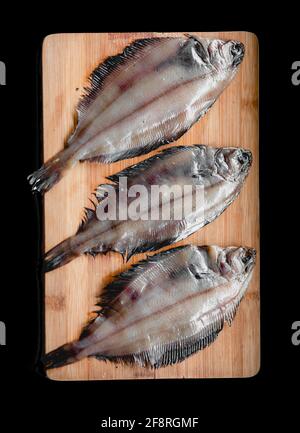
column 165, row 308
column 149, row 95
column 220, row 171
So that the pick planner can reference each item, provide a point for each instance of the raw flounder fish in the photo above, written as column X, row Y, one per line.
column 149, row 95
column 164, row 309
column 218, row 173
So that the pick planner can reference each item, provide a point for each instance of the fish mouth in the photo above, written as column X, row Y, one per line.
column 232, row 259
column 248, row 258
column 231, row 162
column 225, row 53
column 241, row 259
column 245, row 158
column 237, row 51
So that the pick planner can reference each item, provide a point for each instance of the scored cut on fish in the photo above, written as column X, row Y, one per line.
column 149, row 95
column 218, row 172
column 165, row 308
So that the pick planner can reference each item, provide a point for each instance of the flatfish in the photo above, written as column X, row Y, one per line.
column 149, row 95
column 165, row 308
column 186, row 187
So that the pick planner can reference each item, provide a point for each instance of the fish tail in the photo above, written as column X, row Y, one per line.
column 63, row 355
column 51, row 172
column 60, row 255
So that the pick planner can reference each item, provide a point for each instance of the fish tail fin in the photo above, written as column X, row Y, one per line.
column 59, row 255
column 51, row 172
column 63, row 355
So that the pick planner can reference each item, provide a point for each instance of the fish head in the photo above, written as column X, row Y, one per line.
column 237, row 261
column 225, row 55
column 213, row 54
column 232, row 163
column 232, row 261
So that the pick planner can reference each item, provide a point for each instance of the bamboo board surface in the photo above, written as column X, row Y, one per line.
column 71, row 291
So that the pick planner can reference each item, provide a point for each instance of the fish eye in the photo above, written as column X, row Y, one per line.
column 244, row 158
column 200, row 50
column 246, row 259
column 194, row 271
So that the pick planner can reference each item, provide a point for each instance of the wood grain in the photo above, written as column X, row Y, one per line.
column 71, row 291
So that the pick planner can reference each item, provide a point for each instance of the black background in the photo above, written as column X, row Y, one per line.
column 40, row 404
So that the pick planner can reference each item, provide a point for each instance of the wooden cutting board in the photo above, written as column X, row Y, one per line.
column 71, row 291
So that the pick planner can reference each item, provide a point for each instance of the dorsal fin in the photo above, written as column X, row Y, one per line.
column 135, row 169
column 112, row 290
column 89, row 214
column 110, row 67
column 177, row 351
column 171, row 353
